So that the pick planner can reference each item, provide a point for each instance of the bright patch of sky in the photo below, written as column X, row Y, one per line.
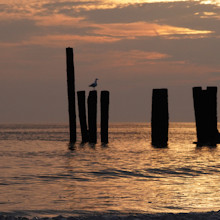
column 217, row 2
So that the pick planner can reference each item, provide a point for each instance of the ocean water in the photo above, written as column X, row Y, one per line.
column 40, row 176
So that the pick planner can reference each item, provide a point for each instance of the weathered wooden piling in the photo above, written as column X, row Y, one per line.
column 199, row 113
column 205, row 108
column 159, row 118
column 92, row 116
column 82, row 116
column 104, row 116
column 71, row 94
column 212, row 113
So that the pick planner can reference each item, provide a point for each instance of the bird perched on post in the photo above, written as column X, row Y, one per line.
column 94, row 84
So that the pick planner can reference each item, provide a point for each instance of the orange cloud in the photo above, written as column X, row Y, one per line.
column 210, row 15
column 207, row 2
column 140, row 29
column 134, row 57
column 58, row 20
column 122, row 58
column 122, row 30
column 61, row 40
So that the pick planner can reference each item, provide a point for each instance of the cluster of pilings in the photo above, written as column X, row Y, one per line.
column 88, row 133
column 205, row 106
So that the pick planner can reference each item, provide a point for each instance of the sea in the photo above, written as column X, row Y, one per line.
column 41, row 176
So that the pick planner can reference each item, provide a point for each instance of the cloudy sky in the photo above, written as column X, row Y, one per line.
column 132, row 46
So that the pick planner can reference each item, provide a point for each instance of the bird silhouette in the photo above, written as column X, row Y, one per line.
column 94, row 84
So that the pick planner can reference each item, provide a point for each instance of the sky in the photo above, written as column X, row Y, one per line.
column 131, row 46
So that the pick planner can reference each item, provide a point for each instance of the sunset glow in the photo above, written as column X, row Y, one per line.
column 158, row 43
column 132, row 30
column 109, row 109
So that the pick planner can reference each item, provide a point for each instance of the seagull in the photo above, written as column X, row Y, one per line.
column 94, row 84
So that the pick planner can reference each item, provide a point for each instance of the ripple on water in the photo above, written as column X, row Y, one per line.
column 38, row 170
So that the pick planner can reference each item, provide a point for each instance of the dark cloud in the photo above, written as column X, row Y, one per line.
column 58, row 4
column 68, row 8
column 2, row 7
column 17, row 30
column 215, row 73
column 203, row 51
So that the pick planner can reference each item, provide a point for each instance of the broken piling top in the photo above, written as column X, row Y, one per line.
column 159, row 118
column 92, row 116
column 71, row 93
column 205, row 107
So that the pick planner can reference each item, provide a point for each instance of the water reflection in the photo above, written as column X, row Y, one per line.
column 92, row 145
column 72, row 146
column 210, row 146
column 104, row 145
column 129, row 175
column 83, row 144
column 160, row 145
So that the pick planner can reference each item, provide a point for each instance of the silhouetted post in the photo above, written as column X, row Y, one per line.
column 92, row 116
column 104, row 116
column 205, row 107
column 212, row 112
column 200, row 112
column 71, row 94
column 159, row 118
column 82, row 116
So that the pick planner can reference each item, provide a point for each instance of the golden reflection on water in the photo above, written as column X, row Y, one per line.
column 129, row 175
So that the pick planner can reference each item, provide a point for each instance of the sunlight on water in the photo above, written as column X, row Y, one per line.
column 41, row 176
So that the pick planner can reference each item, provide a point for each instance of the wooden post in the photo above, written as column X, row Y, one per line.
column 205, row 108
column 71, row 94
column 199, row 109
column 159, row 118
column 104, row 116
column 212, row 112
column 92, row 116
column 82, row 116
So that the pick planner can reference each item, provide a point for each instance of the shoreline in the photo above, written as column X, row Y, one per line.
column 214, row 215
